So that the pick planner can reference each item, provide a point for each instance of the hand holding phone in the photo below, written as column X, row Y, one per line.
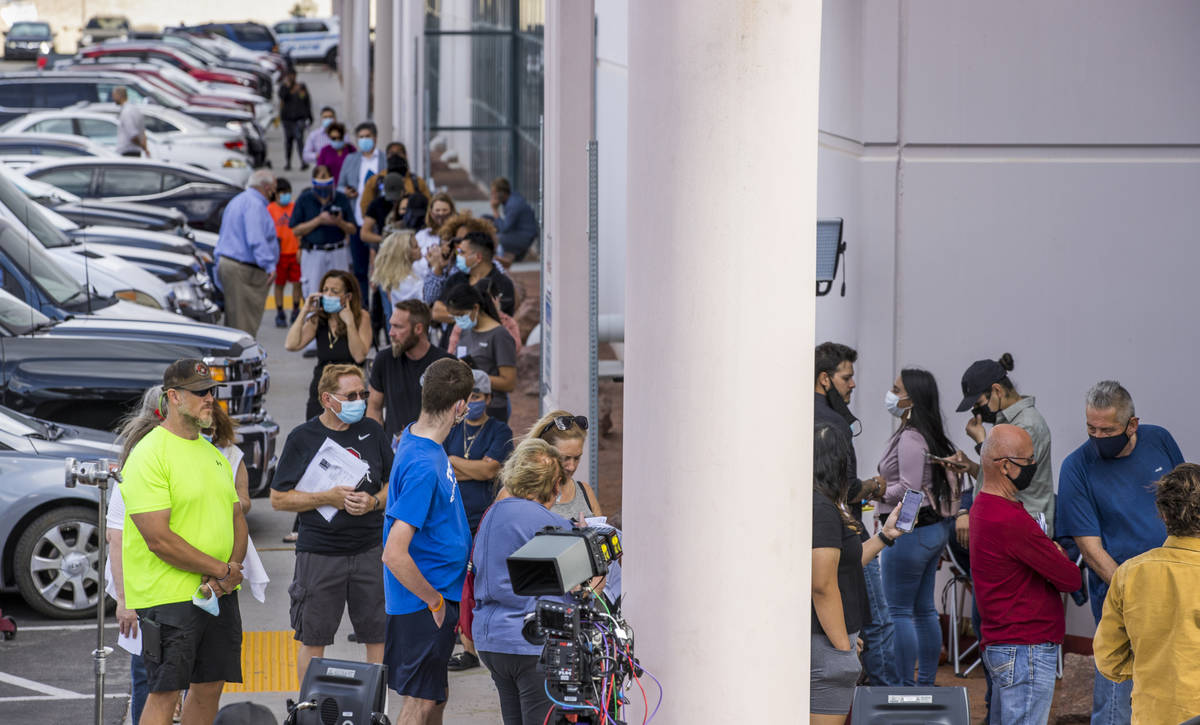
column 910, row 505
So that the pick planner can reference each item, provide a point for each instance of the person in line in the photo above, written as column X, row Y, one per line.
column 318, row 138
column 441, row 257
column 487, row 288
column 382, row 217
column 1149, row 633
column 1106, row 504
column 394, row 267
column 185, row 538
column 295, row 111
column 338, row 561
column 834, row 370
column 532, row 478
column 516, row 223
column 910, row 567
column 441, row 209
column 352, row 179
column 131, row 126
column 247, row 253
column 398, row 168
column 473, row 263
column 427, row 545
column 477, row 448
column 335, row 153
column 484, row 340
column 322, row 220
column 395, row 386
column 412, row 215
column 839, row 588
column 336, row 321
column 288, row 269
column 1019, row 577
column 568, row 434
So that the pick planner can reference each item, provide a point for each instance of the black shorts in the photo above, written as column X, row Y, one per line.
column 182, row 644
column 324, row 584
column 417, row 653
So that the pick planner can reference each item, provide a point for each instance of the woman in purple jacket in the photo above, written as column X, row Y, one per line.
column 334, row 155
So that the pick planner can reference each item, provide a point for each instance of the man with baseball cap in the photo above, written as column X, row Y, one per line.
column 185, row 538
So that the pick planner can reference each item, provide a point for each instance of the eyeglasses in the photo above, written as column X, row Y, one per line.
column 1019, row 460
column 210, row 393
column 357, row 395
column 563, row 422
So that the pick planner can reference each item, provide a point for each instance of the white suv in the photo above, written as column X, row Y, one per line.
column 309, row 39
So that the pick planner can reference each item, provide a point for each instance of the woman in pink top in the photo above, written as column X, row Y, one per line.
column 909, row 566
column 334, row 155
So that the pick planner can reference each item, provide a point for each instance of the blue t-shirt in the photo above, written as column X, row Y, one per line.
column 499, row 613
column 1114, row 499
column 494, row 440
column 308, row 207
column 424, row 494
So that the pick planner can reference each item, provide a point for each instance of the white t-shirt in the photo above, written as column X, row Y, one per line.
column 410, row 288
column 130, row 125
column 368, row 168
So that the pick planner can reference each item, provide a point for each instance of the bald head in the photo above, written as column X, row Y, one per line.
column 1004, row 445
column 120, row 95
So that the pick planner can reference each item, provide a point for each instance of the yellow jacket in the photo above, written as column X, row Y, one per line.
column 1150, row 631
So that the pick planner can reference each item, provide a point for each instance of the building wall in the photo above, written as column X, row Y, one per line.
column 612, row 87
column 1016, row 177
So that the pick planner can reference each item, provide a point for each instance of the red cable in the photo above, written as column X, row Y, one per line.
column 548, row 714
column 645, row 700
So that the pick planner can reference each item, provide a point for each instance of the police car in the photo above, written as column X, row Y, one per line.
column 309, row 39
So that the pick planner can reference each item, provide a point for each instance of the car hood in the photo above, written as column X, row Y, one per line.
column 85, row 443
column 128, row 321
column 133, row 211
column 95, row 266
column 166, row 242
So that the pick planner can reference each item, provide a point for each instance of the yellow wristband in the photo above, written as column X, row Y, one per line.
column 441, row 603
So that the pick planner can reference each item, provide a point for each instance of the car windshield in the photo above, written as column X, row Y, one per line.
column 31, row 257
column 194, row 49
column 30, row 30
column 13, row 421
column 179, row 78
column 108, row 24
column 16, row 316
column 20, row 209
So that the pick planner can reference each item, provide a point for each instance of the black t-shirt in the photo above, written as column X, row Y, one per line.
column 399, row 379
column 831, row 532
column 500, row 281
column 344, row 533
column 378, row 209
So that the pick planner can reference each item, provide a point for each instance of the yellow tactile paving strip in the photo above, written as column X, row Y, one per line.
column 268, row 663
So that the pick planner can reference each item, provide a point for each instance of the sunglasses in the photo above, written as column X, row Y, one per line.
column 563, row 422
column 350, row 397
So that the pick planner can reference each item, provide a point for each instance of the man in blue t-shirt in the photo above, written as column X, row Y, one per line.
column 1106, row 504
column 426, row 545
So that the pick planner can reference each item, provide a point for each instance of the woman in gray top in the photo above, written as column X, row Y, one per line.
column 567, row 433
column 486, row 343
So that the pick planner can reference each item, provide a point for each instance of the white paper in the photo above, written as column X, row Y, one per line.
column 332, row 466
column 596, row 521
column 254, row 573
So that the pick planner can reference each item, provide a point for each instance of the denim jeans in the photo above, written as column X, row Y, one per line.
column 879, row 659
column 1112, row 702
column 1023, row 678
column 977, row 623
column 141, row 688
column 908, row 572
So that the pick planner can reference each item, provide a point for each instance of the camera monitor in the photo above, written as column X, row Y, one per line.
column 910, row 706
column 556, row 561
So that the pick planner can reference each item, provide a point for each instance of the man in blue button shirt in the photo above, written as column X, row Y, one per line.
column 427, row 541
column 247, row 252
column 516, row 224
column 1106, row 503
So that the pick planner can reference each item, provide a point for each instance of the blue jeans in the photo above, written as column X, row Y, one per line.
column 908, row 572
column 141, row 688
column 1023, row 677
column 879, row 659
column 1112, row 702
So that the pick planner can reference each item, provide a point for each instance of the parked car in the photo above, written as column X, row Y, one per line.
column 27, row 39
column 273, row 62
column 193, row 66
column 202, row 151
column 22, row 149
column 254, row 36
column 188, row 44
column 310, row 39
column 100, row 28
column 200, row 195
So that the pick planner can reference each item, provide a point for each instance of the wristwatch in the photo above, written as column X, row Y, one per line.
column 887, row 540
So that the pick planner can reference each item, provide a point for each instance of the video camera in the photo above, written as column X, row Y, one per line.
column 587, row 647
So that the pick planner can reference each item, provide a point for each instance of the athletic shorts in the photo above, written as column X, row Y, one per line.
column 183, row 644
column 287, row 270
column 324, row 584
column 417, row 653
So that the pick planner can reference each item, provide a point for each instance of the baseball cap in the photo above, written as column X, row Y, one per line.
column 189, row 374
column 483, row 383
column 977, row 379
column 393, row 187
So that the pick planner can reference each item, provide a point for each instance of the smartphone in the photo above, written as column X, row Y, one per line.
column 909, row 507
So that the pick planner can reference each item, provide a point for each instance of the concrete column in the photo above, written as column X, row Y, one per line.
column 410, row 87
column 719, row 336
column 569, row 97
column 383, row 84
column 353, row 62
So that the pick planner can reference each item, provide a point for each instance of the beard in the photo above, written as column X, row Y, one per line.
column 408, row 343
column 202, row 421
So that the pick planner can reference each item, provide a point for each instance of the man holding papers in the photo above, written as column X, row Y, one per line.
column 333, row 471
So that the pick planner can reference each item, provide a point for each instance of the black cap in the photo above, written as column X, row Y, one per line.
column 188, row 374
column 977, row 379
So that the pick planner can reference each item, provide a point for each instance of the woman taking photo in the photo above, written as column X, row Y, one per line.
column 839, row 588
column 910, row 566
column 335, row 318
column 531, row 477
column 567, row 433
column 394, row 268
column 484, row 340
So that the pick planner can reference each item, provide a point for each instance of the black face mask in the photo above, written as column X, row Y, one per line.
column 1112, row 446
column 1025, row 477
column 838, row 403
column 986, row 414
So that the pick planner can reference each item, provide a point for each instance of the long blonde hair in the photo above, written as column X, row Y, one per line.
column 533, row 471
column 393, row 263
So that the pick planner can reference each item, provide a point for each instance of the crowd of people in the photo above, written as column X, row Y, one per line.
column 1120, row 493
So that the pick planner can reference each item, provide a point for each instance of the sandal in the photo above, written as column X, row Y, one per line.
column 291, row 538
column 463, row 661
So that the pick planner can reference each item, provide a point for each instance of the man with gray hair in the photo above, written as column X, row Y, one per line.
column 131, row 125
column 247, row 252
column 1106, row 504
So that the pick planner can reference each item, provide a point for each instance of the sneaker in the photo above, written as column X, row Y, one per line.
column 304, row 167
column 463, row 661
column 287, row 166
column 295, row 314
column 280, row 319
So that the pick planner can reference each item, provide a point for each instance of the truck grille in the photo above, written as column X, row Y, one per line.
column 244, row 386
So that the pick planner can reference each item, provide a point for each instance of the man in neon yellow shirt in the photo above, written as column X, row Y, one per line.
column 185, row 538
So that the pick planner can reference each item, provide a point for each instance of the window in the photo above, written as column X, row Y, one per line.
column 130, row 182
column 61, row 95
column 30, row 30
column 16, row 95
column 53, row 125
column 16, row 148
column 158, row 125
column 100, row 131
column 77, row 180
column 312, row 26
column 60, row 150
column 171, row 181
column 253, row 34
column 287, row 26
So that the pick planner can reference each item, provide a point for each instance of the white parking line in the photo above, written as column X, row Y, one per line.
column 60, row 627
column 55, row 693
column 33, row 698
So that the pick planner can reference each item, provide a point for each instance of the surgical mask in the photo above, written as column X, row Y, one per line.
column 464, row 322
column 986, row 414
column 352, row 411
column 891, row 401
column 1112, row 446
column 325, row 122
column 461, row 262
column 1025, row 477
column 285, row 198
column 337, row 144
column 207, row 436
column 209, row 603
column 476, row 409
column 331, row 304
column 323, row 188
column 366, row 145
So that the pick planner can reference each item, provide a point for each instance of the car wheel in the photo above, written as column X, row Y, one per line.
column 331, row 58
column 56, row 563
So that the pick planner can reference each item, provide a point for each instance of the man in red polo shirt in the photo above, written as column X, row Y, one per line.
column 1018, row 574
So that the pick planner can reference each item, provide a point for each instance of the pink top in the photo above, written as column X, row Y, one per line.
column 334, row 159
column 905, row 467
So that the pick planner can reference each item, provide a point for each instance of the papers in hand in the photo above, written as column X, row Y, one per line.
column 332, row 466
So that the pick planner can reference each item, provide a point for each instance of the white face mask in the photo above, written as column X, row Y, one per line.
column 891, row 401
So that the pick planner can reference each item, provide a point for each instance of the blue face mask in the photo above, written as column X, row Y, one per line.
column 366, row 145
column 476, row 409
column 330, row 304
column 285, row 198
column 461, row 262
column 325, row 122
column 464, row 322
column 338, row 144
column 207, row 436
column 352, row 411
column 323, row 189
column 209, row 604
